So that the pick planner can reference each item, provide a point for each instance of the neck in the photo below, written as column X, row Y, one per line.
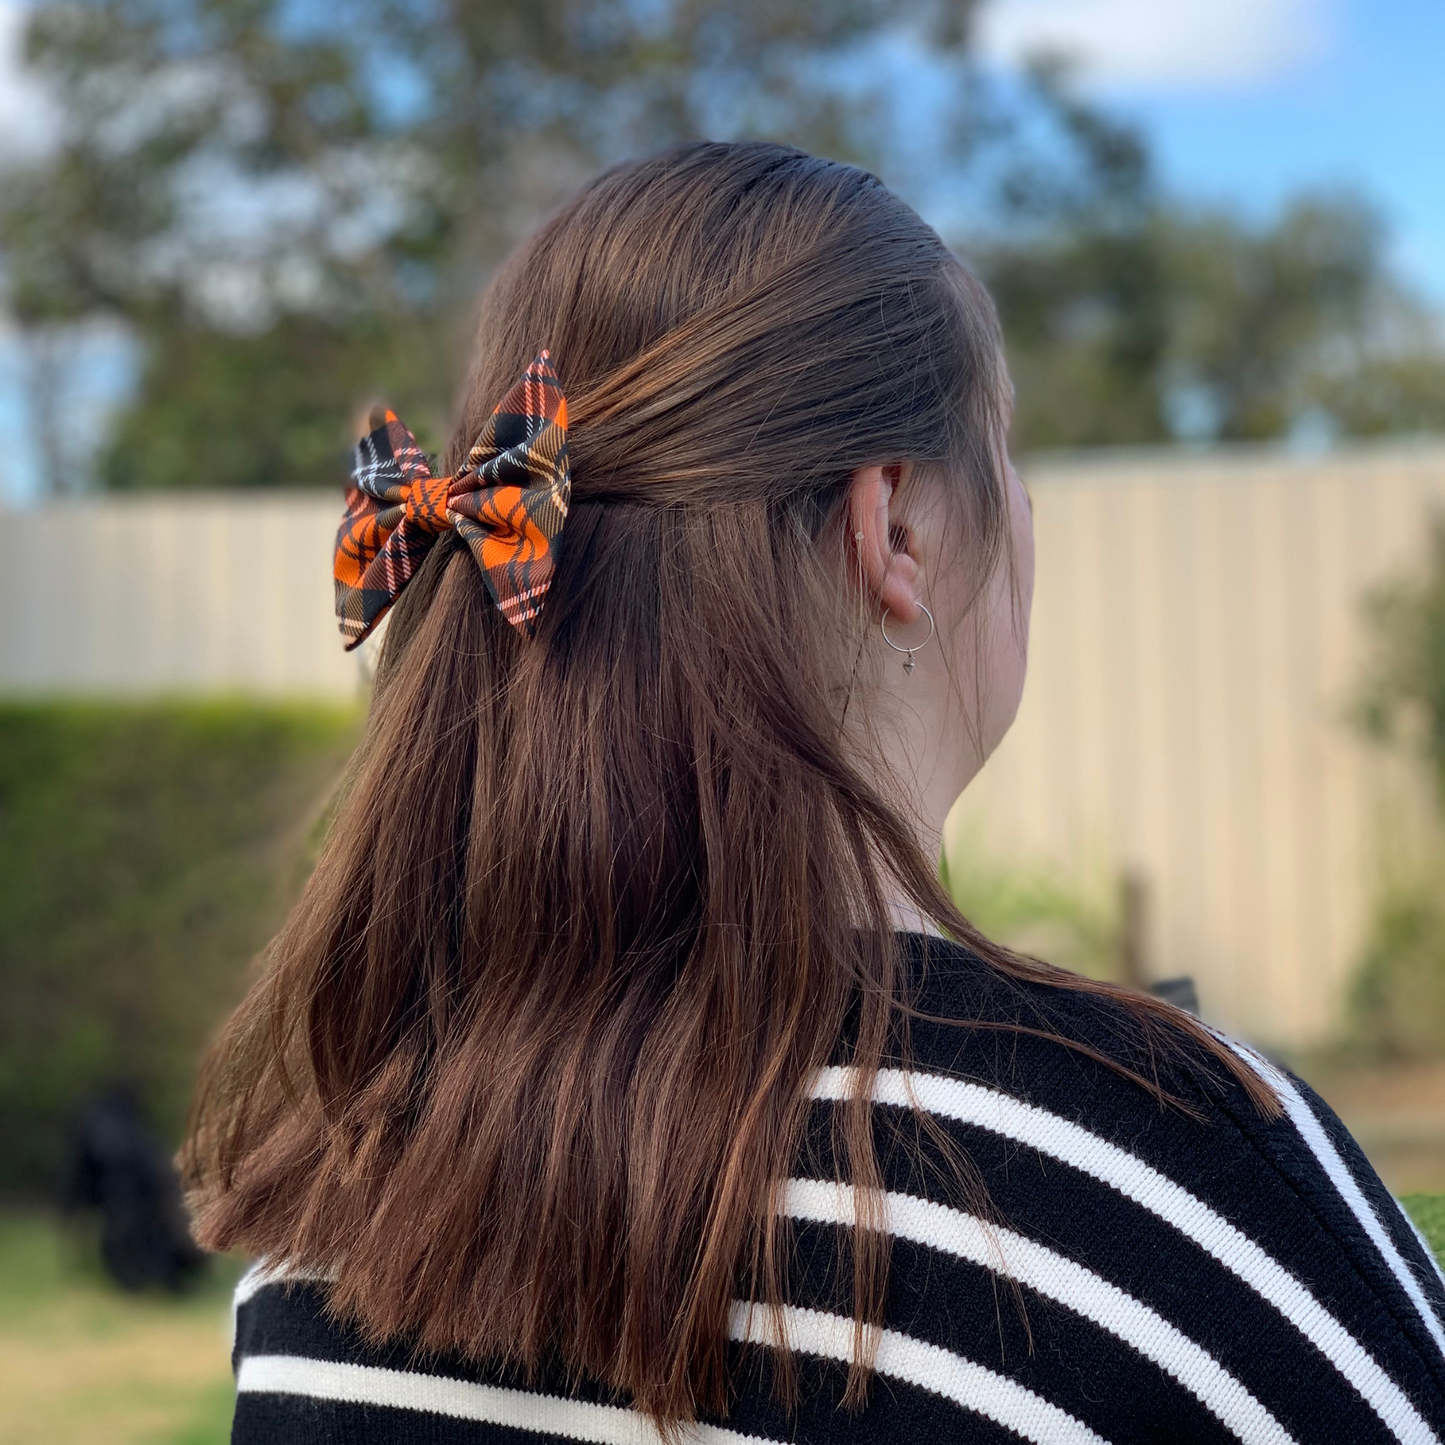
column 907, row 919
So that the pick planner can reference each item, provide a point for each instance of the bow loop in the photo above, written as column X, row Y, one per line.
column 508, row 502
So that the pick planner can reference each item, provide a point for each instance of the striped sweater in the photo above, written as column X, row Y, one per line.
column 1142, row 1275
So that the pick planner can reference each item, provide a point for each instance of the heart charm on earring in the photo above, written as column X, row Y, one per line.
column 907, row 661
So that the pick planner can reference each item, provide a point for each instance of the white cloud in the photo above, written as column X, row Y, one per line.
column 1151, row 45
column 29, row 116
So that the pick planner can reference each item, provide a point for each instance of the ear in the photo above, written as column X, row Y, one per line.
column 884, row 545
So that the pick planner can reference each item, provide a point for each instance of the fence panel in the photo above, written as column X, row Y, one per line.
column 174, row 594
column 1197, row 636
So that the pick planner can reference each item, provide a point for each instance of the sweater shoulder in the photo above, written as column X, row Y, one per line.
column 1120, row 1146
column 1037, row 1035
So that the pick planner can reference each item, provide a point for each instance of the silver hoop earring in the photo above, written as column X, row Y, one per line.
column 907, row 661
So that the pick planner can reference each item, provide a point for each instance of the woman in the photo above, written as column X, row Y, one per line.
column 613, row 1079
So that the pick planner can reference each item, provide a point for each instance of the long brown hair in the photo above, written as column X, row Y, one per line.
column 532, row 1052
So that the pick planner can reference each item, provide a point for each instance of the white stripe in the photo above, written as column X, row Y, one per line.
column 1061, row 1279
column 464, row 1400
column 521, row 598
column 916, row 1362
column 1074, row 1145
column 831, row 1336
column 263, row 1273
column 1424, row 1243
column 1312, row 1132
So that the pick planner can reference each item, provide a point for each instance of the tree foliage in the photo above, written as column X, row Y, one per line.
column 1076, row 272
column 1403, row 697
column 292, row 203
column 1274, row 321
column 1132, row 317
column 290, row 206
column 1398, row 1000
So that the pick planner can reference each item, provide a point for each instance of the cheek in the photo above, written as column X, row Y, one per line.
column 1005, row 644
column 991, row 648
column 1012, row 598
column 1023, row 580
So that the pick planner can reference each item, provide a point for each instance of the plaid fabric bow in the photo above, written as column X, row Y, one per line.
column 508, row 501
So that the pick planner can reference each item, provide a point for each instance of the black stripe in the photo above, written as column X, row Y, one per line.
column 292, row 1319
column 1128, row 1246
column 1070, row 1361
column 294, row 1420
column 1259, row 1175
column 1388, row 1212
column 895, row 1411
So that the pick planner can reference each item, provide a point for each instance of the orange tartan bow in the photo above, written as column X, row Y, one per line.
column 507, row 501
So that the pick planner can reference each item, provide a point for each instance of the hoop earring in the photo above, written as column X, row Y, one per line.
column 907, row 661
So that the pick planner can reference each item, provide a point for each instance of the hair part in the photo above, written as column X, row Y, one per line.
column 533, row 1049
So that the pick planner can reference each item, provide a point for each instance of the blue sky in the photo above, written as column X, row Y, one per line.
column 1248, row 101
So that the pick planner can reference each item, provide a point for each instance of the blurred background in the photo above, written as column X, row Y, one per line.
column 1216, row 234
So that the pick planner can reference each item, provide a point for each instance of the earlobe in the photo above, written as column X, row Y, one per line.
column 886, row 568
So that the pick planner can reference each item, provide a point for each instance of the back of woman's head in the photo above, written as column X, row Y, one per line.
column 532, row 1050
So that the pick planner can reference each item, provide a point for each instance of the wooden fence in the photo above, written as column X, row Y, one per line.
column 175, row 594
column 1196, row 639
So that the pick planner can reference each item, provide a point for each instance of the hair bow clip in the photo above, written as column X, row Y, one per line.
column 507, row 501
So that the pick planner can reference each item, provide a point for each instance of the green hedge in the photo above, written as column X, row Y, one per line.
column 147, row 851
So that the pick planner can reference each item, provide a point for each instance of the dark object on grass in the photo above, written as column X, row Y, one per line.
column 1178, row 991
column 120, row 1169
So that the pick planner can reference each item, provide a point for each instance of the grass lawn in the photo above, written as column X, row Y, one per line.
column 1428, row 1212
column 81, row 1362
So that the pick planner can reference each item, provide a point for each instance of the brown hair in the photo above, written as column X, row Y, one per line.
column 533, row 1049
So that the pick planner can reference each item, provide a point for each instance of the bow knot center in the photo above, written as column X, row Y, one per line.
column 426, row 502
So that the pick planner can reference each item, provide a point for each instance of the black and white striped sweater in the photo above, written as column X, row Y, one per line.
column 1230, row 1279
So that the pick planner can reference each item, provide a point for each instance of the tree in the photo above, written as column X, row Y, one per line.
column 290, row 209
column 293, row 206
column 1131, row 317
column 1075, row 267
column 1393, row 379
column 1259, row 310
